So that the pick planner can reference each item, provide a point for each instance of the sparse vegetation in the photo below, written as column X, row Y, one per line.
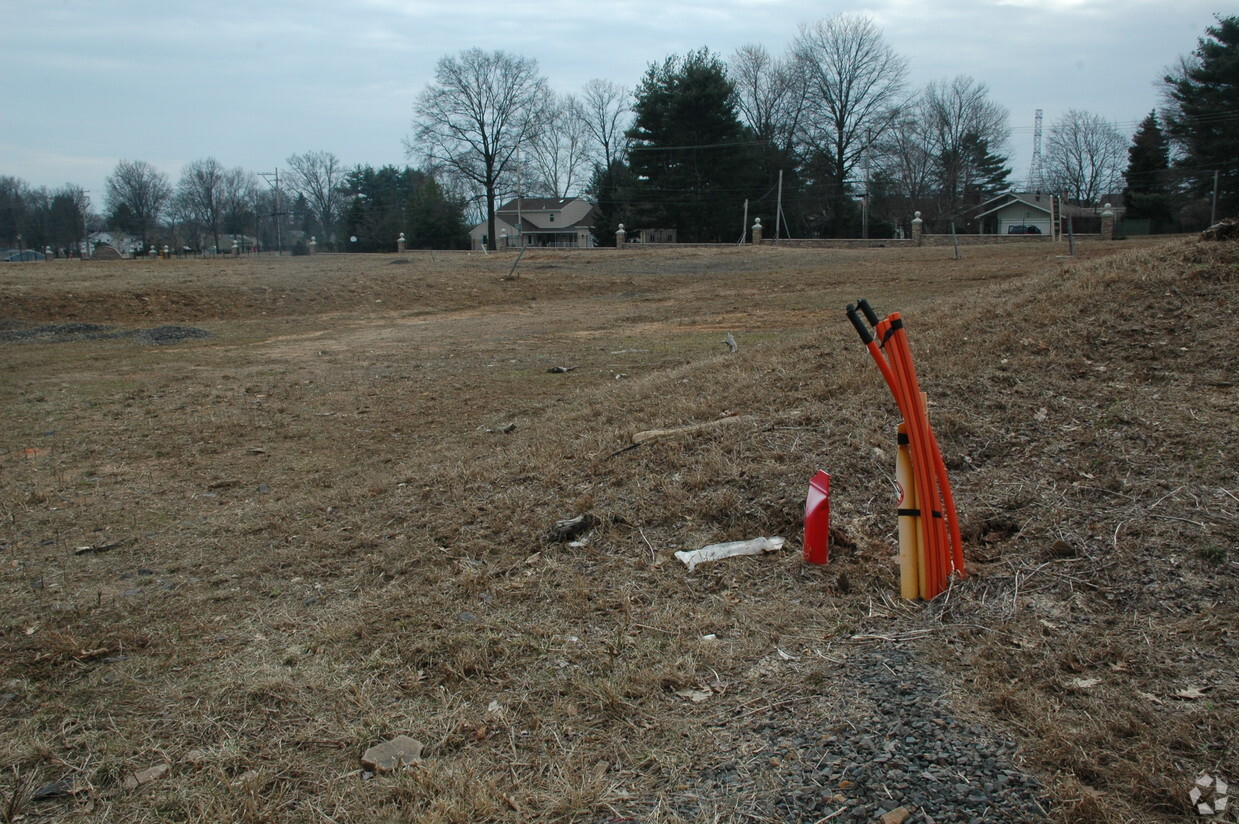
column 252, row 556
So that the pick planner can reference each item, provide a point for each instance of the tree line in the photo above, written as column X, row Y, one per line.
column 211, row 206
column 827, row 139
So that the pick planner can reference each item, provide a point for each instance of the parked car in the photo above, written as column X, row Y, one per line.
column 1023, row 230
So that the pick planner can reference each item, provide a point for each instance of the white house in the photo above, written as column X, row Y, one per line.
column 542, row 221
column 122, row 242
column 1014, row 212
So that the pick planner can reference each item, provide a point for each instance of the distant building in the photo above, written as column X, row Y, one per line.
column 1011, row 211
column 542, row 221
column 1030, row 213
column 122, row 242
column 20, row 255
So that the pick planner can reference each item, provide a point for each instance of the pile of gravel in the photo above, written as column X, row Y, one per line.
column 64, row 332
column 895, row 742
column 162, row 335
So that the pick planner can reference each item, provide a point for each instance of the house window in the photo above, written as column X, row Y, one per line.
column 552, row 217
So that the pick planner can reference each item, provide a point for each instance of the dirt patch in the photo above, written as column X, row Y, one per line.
column 254, row 556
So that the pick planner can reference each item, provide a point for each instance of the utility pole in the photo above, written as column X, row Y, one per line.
column 778, row 211
column 520, row 230
column 279, row 237
column 864, row 204
column 85, row 225
column 1213, row 211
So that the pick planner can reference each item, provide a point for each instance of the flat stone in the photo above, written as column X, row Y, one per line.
column 146, row 776
column 896, row 816
column 401, row 751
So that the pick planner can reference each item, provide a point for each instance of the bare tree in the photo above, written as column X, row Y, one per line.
column 956, row 117
column 239, row 197
column 605, row 109
column 142, row 189
column 1084, row 158
column 201, row 194
column 905, row 162
column 481, row 108
column 317, row 177
column 70, row 206
column 770, row 94
column 559, row 155
column 854, row 84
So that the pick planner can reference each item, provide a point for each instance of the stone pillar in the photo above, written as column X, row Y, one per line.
column 1107, row 223
column 313, row 244
column 918, row 230
column 400, row 244
column 621, row 236
column 756, row 231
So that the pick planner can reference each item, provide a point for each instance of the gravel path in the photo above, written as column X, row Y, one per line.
column 61, row 332
column 893, row 742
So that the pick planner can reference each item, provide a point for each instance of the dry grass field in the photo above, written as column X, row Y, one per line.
column 229, row 565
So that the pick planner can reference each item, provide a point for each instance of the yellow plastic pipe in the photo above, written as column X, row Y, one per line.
column 912, row 583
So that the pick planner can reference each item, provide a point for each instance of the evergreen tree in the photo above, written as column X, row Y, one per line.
column 1147, row 194
column 434, row 220
column 389, row 200
column 610, row 189
column 691, row 157
column 375, row 214
column 1205, row 92
column 986, row 173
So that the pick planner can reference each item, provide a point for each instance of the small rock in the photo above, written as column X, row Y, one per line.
column 570, row 528
column 401, row 751
column 146, row 776
column 896, row 816
column 60, row 789
column 247, row 777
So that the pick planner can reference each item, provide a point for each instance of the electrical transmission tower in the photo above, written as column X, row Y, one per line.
column 278, row 214
column 1035, row 171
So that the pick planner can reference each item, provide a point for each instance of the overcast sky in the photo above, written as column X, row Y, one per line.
column 85, row 83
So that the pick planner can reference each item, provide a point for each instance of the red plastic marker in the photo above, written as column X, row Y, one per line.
column 817, row 520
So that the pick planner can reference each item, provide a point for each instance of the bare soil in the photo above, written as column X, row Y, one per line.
column 249, row 557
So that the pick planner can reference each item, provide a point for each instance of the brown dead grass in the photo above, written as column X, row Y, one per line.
column 324, row 546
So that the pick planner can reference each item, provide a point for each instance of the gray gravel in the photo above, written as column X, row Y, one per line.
column 63, row 332
column 894, row 742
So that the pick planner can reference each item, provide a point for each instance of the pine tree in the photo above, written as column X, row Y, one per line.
column 986, row 173
column 691, row 156
column 1204, row 126
column 434, row 220
column 1148, row 194
column 610, row 188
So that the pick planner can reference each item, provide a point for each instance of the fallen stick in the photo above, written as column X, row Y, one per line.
column 651, row 434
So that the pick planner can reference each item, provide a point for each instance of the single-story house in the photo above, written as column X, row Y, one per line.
column 1028, row 213
column 543, row 221
column 21, row 255
column 1010, row 212
column 123, row 242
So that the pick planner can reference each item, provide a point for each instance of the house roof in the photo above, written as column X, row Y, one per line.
column 536, row 204
column 1033, row 200
column 537, row 215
